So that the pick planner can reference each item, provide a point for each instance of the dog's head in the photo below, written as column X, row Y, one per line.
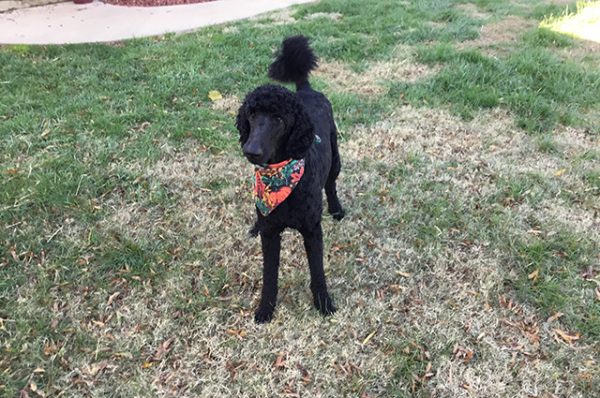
column 273, row 126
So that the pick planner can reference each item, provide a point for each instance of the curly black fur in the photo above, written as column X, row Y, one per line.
column 306, row 114
column 278, row 100
column 294, row 61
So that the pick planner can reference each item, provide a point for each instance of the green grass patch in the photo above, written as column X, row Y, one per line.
column 559, row 258
column 410, row 367
column 540, row 88
column 529, row 188
column 592, row 179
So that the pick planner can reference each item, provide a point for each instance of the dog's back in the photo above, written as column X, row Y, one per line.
column 293, row 64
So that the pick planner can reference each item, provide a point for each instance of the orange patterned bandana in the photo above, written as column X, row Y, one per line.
column 275, row 182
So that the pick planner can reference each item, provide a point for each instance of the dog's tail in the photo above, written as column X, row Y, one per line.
column 294, row 62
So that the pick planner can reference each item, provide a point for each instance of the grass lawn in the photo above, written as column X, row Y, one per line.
column 468, row 263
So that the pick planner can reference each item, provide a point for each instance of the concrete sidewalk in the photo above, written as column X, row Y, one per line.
column 98, row 22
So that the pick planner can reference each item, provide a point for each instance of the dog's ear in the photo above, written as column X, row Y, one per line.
column 302, row 134
column 242, row 123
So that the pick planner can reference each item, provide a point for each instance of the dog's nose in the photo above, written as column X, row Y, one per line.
column 253, row 153
column 254, row 156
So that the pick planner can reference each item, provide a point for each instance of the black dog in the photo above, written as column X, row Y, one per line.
column 278, row 127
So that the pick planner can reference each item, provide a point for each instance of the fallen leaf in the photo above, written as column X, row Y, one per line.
column 50, row 349
column 96, row 368
column 560, row 172
column 568, row 338
column 127, row 355
column 214, row 95
column 147, row 365
column 33, row 386
column 509, row 305
column 428, row 373
column 280, row 361
column 13, row 253
column 534, row 275
column 404, row 274
column 240, row 334
column 112, row 298
column 532, row 331
column 98, row 323
column 588, row 274
column 12, row 171
column 598, row 293
column 305, row 375
column 232, row 368
column 164, row 348
column 369, row 337
column 466, row 354
column 467, row 387
column 142, row 127
column 555, row 317
column 394, row 288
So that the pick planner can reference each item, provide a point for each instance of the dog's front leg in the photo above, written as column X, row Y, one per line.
column 271, row 245
column 313, row 243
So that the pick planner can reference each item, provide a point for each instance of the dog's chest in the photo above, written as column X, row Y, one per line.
column 302, row 208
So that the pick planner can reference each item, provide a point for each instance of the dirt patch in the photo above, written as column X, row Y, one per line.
column 581, row 220
column 372, row 81
column 434, row 133
column 522, row 156
column 206, row 185
column 491, row 137
column 504, row 33
column 136, row 221
column 231, row 29
column 229, row 104
column 583, row 51
column 473, row 11
column 281, row 17
column 332, row 16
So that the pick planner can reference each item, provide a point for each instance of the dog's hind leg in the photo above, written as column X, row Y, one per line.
column 313, row 243
column 271, row 247
column 333, row 202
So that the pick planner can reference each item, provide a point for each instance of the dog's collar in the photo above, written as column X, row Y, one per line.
column 275, row 182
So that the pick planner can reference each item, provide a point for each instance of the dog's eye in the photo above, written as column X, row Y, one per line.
column 279, row 119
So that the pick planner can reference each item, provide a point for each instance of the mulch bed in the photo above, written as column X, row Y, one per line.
column 152, row 3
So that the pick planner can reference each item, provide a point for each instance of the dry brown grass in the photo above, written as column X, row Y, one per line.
column 339, row 77
column 228, row 104
column 473, row 10
column 430, row 321
column 284, row 16
column 420, row 314
column 496, row 36
column 333, row 16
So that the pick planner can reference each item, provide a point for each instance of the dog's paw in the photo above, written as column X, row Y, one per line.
column 324, row 304
column 254, row 231
column 338, row 215
column 263, row 315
